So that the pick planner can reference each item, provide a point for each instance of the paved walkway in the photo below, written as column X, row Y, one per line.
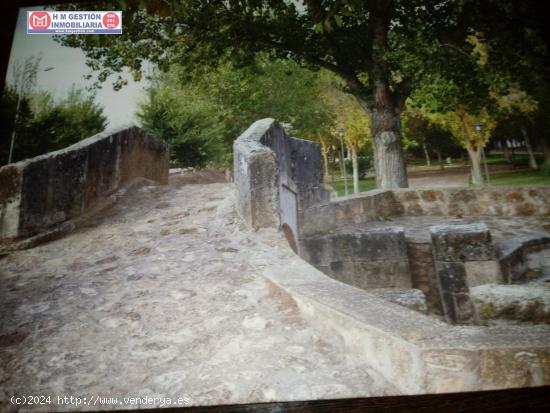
column 157, row 298
column 429, row 177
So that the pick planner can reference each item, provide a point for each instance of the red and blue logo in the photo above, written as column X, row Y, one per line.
column 74, row 22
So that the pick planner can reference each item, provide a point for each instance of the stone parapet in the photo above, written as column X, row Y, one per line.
column 41, row 193
column 365, row 258
column 276, row 176
column 437, row 357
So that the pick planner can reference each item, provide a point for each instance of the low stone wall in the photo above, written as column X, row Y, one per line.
column 352, row 239
column 491, row 201
column 417, row 353
column 39, row 193
column 364, row 258
column 379, row 205
column 445, row 282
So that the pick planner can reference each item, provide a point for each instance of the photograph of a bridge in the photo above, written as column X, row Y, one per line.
column 276, row 206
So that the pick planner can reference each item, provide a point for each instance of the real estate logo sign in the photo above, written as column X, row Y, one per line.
column 74, row 22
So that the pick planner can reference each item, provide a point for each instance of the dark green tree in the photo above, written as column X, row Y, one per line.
column 202, row 117
column 46, row 125
column 382, row 49
column 8, row 107
column 517, row 36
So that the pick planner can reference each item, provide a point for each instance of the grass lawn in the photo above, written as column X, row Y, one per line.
column 520, row 178
column 364, row 185
column 520, row 159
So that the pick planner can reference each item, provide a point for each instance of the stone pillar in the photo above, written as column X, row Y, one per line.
column 256, row 177
column 462, row 254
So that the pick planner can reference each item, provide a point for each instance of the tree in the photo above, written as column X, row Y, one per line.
column 8, row 122
column 349, row 116
column 431, row 137
column 46, row 125
column 191, row 124
column 517, row 110
column 200, row 117
column 382, row 49
column 517, row 37
column 462, row 125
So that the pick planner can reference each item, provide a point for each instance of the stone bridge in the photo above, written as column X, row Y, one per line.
column 42, row 195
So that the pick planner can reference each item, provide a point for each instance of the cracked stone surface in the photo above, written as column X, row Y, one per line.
column 159, row 297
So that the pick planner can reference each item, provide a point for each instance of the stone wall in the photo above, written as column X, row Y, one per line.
column 39, row 193
column 415, row 352
column 364, row 258
column 352, row 239
column 276, row 176
column 378, row 205
column 491, row 201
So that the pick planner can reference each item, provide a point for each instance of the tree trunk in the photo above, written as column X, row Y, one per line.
column 385, row 104
column 532, row 160
column 324, row 152
column 475, row 161
column 389, row 162
column 545, row 150
column 355, row 165
column 506, row 150
column 440, row 160
column 426, row 154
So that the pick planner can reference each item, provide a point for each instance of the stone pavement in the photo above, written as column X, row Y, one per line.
column 158, row 297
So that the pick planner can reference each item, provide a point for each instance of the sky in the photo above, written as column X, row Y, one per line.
column 69, row 69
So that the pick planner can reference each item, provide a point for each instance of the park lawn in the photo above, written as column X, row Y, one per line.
column 364, row 185
column 521, row 159
column 529, row 177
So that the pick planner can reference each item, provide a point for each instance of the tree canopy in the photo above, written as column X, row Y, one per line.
column 201, row 118
column 384, row 50
column 46, row 124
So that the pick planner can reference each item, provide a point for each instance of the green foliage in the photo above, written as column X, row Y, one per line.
column 364, row 165
column 419, row 130
column 201, row 117
column 188, row 122
column 525, row 177
column 364, row 185
column 445, row 54
column 46, row 125
column 7, row 118
column 353, row 39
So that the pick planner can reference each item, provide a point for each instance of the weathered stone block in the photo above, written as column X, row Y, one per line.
column 464, row 309
column 256, row 178
column 276, row 176
column 388, row 273
column 374, row 258
column 530, row 302
column 452, row 276
column 422, row 268
column 431, row 195
column 482, row 272
column 468, row 242
column 376, row 244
